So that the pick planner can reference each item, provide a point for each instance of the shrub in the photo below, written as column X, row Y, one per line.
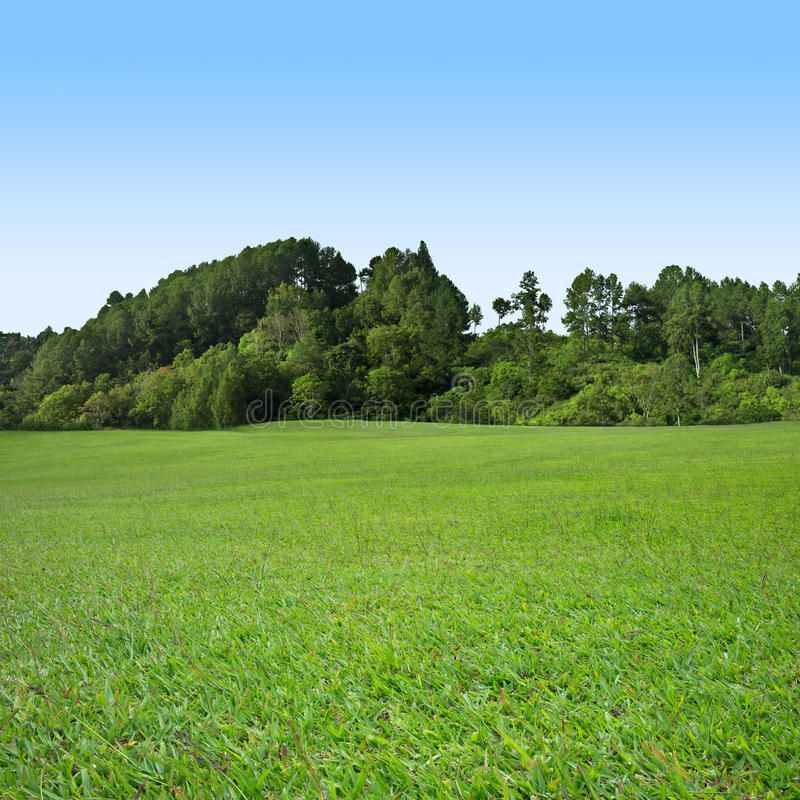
column 308, row 395
column 155, row 394
column 61, row 409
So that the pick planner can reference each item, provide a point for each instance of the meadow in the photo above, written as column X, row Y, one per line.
column 367, row 612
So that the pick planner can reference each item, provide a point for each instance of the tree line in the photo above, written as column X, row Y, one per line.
column 296, row 318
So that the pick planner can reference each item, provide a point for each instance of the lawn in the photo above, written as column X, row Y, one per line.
column 419, row 612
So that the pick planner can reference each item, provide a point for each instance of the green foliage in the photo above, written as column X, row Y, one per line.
column 678, row 390
column 409, row 311
column 595, row 309
column 308, row 394
column 644, row 335
column 155, row 394
column 641, row 385
column 212, row 392
column 229, row 397
column 61, row 408
column 389, row 386
column 737, row 396
column 598, row 403
column 108, row 408
column 209, row 341
column 502, row 308
column 687, row 324
column 774, row 326
column 16, row 354
column 533, row 304
column 508, row 380
column 474, row 316
column 582, row 309
column 205, row 305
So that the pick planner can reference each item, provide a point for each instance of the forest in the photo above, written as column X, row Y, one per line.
column 398, row 338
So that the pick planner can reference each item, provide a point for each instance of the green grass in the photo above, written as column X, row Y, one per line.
column 469, row 612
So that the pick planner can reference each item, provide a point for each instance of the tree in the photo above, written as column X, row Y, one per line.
column 580, row 319
column 676, row 393
column 52, row 366
column 391, row 345
column 615, row 311
column 731, row 314
column 645, row 336
column 507, row 380
column 205, row 342
column 308, row 395
column 155, row 393
column 305, row 355
column 423, row 259
column 502, row 308
column 421, row 312
column 595, row 309
column 287, row 317
column 774, row 328
column 669, row 280
column 212, row 394
column 16, row 354
column 325, row 270
column 688, row 321
column 389, row 387
column 61, row 408
column 642, row 384
column 534, row 306
column 229, row 400
column 475, row 317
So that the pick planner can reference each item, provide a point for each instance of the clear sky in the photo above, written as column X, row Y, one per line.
column 136, row 139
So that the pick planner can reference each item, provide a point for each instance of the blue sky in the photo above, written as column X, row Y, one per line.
column 137, row 140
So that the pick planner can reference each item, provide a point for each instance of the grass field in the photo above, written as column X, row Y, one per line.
column 466, row 612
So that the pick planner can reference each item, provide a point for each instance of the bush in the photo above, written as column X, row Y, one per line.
column 790, row 407
column 389, row 387
column 308, row 395
column 756, row 409
column 61, row 409
column 599, row 403
column 155, row 394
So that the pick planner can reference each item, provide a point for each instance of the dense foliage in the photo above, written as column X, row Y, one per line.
column 284, row 329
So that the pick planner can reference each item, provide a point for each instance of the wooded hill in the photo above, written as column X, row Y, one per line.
column 296, row 319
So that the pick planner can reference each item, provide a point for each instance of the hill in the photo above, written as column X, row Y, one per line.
column 286, row 328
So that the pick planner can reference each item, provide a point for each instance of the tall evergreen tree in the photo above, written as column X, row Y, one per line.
column 581, row 310
column 688, row 321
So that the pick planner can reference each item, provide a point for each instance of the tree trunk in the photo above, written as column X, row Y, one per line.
column 696, row 356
